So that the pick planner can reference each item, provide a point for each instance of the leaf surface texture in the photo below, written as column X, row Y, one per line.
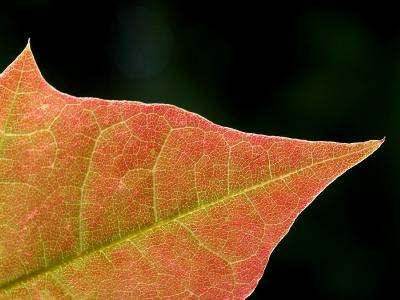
column 125, row 200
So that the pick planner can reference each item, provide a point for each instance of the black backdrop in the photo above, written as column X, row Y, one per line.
column 310, row 71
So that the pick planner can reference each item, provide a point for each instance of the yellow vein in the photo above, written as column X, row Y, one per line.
column 12, row 107
column 153, row 174
column 84, row 182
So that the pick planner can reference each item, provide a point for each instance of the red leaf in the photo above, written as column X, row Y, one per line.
column 114, row 199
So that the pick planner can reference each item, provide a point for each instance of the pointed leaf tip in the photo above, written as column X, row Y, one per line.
column 27, row 48
column 369, row 147
column 377, row 143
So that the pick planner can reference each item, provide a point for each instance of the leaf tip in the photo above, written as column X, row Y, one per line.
column 375, row 144
column 28, row 57
column 378, row 143
column 371, row 146
column 27, row 49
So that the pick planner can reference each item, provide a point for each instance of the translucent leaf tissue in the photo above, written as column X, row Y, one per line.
column 125, row 200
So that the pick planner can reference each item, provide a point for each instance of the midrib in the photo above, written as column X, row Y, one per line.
column 28, row 277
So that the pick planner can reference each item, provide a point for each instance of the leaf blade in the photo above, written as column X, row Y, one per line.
column 131, row 179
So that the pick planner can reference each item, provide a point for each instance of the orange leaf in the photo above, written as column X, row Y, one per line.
column 117, row 199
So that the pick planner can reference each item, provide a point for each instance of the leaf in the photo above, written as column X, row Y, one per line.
column 116, row 199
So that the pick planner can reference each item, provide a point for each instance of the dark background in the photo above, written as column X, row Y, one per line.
column 310, row 71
